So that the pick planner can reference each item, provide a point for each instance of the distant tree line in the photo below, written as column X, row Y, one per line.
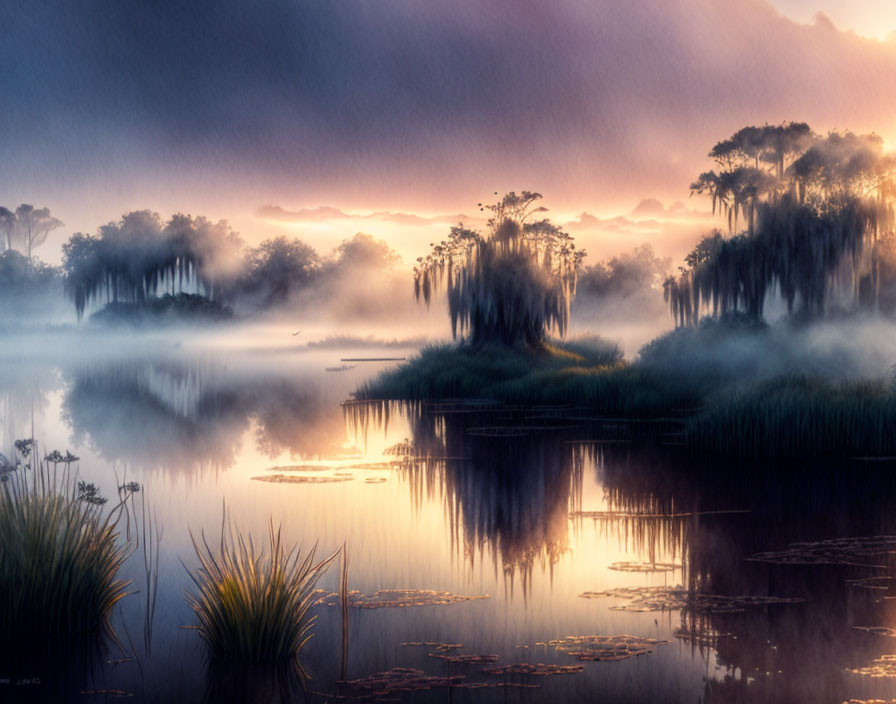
column 140, row 257
column 626, row 286
column 143, row 265
column 25, row 229
column 817, row 214
column 28, row 285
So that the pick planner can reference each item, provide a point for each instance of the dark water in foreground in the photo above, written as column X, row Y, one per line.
column 529, row 509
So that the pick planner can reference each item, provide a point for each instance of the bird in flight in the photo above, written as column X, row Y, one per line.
column 296, row 333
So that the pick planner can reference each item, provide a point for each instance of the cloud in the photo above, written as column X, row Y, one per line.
column 275, row 212
column 672, row 231
column 398, row 104
column 652, row 207
column 327, row 213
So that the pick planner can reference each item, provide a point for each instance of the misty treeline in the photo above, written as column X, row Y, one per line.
column 510, row 284
column 809, row 219
column 26, row 228
column 24, row 279
column 624, row 288
column 141, row 258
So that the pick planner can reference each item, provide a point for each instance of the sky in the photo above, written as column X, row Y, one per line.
column 870, row 18
column 225, row 107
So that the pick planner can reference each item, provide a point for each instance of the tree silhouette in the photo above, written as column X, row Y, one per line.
column 511, row 284
column 279, row 268
column 815, row 209
column 33, row 225
column 26, row 228
column 7, row 224
column 138, row 256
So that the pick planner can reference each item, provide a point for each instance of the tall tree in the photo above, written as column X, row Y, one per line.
column 136, row 257
column 509, row 285
column 32, row 227
column 7, row 226
column 814, row 208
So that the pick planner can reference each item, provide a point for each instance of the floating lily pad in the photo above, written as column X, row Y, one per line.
column 395, row 598
column 877, row 630
column 287, row 479
column 863, row 552
column 539, row 669
column 465, row 659
column 398, row 680
column 625, row 515
column 439, row 647
column 884, row 666
column 646, row 567
column 601, row 648
column 300, row 468
column 645, row 599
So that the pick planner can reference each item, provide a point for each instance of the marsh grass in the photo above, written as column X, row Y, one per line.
column 587, row 372
column 252, row 603
column 59, row 556
column 798, row 416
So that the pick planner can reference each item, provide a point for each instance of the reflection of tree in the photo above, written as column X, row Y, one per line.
column 507, row 491
column 23, row 396
column 179, row 414
column 293, row 418
column 804, row 647
column 154, row 415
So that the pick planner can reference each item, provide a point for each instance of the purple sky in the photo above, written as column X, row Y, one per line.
column 219, row 107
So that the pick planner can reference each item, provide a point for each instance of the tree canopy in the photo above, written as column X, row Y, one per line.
column 815, row 209
column 511, row 284
column 140, row 255
column 26, row 228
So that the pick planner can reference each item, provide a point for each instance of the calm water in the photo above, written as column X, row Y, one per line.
column 529, row 508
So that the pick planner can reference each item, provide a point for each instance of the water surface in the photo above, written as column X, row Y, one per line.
column 526, row 509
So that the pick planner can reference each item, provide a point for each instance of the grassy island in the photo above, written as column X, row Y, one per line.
column 817, row 246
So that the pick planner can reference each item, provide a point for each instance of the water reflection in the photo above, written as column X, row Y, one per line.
column 513, row 490
column 532, row 506
column 783, row 653
column 24, row 398
column 181, row 414
column 35, row 669
column 508, row 483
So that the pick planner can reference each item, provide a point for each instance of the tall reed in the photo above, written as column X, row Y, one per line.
column 798, row 416
column 59, row 554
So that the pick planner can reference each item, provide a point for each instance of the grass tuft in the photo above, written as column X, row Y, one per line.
column 252, row 604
